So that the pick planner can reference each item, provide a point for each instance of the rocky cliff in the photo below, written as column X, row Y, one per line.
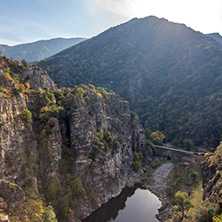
column 212, row 182
column 67, row 149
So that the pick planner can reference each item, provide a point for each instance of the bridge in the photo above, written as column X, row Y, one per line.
column 165, row 148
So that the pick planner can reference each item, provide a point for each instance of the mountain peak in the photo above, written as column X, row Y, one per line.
column 155, row 64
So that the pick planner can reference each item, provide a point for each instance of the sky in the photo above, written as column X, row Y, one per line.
column 31, row 20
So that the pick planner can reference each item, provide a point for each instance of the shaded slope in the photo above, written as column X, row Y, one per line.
column 171, row 74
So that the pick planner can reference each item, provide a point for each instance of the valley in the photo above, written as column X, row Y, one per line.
column 94, row 131
column 170, row 74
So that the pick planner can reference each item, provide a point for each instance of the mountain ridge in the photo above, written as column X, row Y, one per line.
column 216, row 36
column 160, row 67
column 38, row 50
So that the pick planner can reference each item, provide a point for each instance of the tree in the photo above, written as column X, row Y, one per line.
column 188, row 144
column 136, row 166
column 24, row 63
column 26, row 115
column 49, row 214
column 157, row 137
column 182, row 203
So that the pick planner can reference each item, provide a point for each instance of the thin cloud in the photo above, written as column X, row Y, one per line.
column 118, row 7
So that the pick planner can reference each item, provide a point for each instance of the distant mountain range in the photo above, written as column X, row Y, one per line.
column 171, row 74
column 38, row 50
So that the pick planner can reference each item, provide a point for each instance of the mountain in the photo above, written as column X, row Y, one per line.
column 170, row 73
column 38, row 50
column 69, row 150
column 216, row 36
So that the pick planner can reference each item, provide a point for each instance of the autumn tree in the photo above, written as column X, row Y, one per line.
column 157, row 137
column 182, row 204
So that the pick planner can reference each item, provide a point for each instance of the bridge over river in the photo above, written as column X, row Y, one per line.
column 165, row 148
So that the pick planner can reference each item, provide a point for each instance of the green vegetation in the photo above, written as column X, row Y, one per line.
column 26, row 115
column 33, row 209
column 157, row 137
column 24, row 63
column 182, row 204
column 211, row 208
column 188, row 144
column 136, row 162
column 206, row 214
column 187, row 178
column 104, row 143
column 173, row 73
column 136, row 166
column 217, row 218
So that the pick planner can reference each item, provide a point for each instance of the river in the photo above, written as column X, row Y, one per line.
column 132, row 205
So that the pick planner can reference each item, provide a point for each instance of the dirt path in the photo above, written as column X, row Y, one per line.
column 159, row 187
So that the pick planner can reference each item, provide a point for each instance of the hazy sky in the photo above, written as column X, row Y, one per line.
column 30, row 20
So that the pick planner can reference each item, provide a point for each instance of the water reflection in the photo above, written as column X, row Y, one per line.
column 132, row 205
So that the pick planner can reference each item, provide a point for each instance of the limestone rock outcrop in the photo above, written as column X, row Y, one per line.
column 37, row 78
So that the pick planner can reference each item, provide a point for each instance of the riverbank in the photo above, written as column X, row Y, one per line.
column 158, row 186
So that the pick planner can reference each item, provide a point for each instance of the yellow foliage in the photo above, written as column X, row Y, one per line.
column 35, row 209
column 22, row 86
column 7, row 76
column 217, row 218
column 99, row 95
column 157, row 137
column 27, row 85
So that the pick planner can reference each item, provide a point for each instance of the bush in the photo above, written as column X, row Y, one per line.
column 26, row 115
column 188, row 144
column 136, row 166
column 206, row 214
column 136, row 156
column 25, row 63
column 49, row 214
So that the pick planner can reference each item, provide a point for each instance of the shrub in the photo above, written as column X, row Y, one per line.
column 206, row 214
column 75, row 186
column 49, row 214
column 91, row 86
column 26, row 115
column 53, row 189
column 188, row 144
column 182, row 203
column 79, row 92
column 136, row 166
column 136, row 156
column 24, row 63
column 102, row 91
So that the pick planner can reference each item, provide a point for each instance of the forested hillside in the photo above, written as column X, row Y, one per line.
column 171, row 74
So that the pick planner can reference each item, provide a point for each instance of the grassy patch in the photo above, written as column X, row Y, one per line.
column 196, row 200
column 188, row 179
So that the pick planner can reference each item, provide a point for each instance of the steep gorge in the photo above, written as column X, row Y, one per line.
column 67, row 148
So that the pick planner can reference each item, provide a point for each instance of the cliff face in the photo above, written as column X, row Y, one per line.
column 104, row 139
column 74, row 147
column 212, row 181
